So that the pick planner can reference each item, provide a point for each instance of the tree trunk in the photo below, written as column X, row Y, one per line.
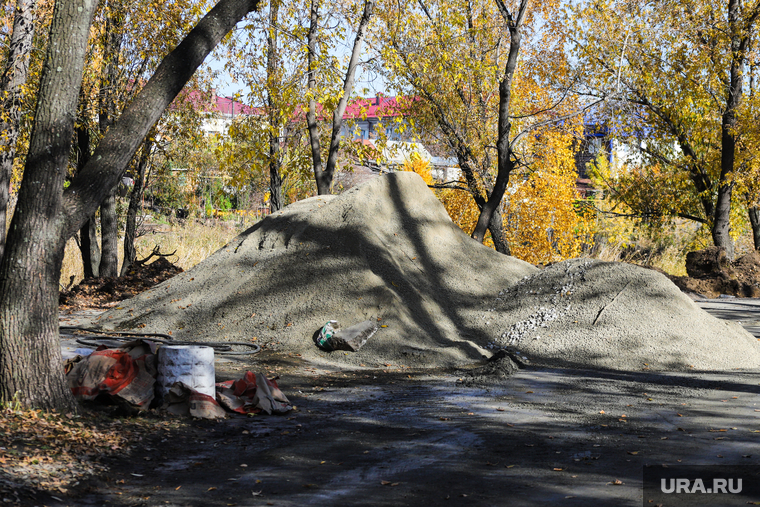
column 88, row 238
column 47, row 215
column 722, row 222
column 130, row 232
column 109, row 222
column 495, row 224
column 273, row 85
column 499, row 238
column 89, row 249
column 325, row 182
column 311, row 116
column 721, row 230
column 275, row 180
column 754, row 220
column 11, row 83
column 109, row 237
column 506, row 162
column 30, row 353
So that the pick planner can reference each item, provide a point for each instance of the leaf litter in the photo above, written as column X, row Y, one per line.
column 45, row 452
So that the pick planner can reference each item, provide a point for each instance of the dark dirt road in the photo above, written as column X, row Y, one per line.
column 398, row 437
column 545, row 437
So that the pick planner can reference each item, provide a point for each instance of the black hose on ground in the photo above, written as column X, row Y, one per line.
column 221, row 348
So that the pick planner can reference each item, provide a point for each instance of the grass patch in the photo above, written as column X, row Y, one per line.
column 192, row 242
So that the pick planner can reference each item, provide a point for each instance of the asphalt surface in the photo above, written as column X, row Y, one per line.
column 745, row 311
column 543, row 436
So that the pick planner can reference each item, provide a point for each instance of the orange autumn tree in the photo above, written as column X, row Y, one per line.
column 487, row 80
column 541, row 217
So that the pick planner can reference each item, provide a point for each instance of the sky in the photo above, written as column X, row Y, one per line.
column 366, row 83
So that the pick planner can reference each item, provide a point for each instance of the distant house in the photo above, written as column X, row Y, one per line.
column 601, row 140
column 365, row 116
column 596, row 141
column 445, row 169
column 222, row 112
column 218, row 112
column 362, row 119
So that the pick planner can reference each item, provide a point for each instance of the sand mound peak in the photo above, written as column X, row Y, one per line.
column 388, row 250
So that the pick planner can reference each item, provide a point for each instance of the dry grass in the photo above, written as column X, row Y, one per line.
column 667, row 251
column 192, row 242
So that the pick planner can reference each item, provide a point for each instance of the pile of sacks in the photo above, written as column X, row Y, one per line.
column 126, row 375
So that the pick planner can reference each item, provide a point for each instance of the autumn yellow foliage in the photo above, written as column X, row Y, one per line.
column 544, row 218
column 419, row 165
column 460, row 207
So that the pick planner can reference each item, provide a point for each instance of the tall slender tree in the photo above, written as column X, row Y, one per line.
column 274, row 75
column 12, row 82
column 47, row 214
column 324, row 175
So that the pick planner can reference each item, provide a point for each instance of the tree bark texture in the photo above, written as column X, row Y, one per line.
column 89, row 249
column 324, row 183
column 30, row 354
column 275, row 125
column 135, row 197
column 46, row 215
column 11, row 88
column 109, row 237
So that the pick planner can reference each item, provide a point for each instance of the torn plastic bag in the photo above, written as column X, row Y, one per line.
column 252, row 394
column 332, row 337
column 184, row 400
column 128, row 372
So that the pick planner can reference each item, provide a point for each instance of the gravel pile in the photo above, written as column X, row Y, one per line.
column 387, row 250
column 585, row 313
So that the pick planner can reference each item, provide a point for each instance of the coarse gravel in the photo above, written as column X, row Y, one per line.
column 387, row 250
column 584, row 313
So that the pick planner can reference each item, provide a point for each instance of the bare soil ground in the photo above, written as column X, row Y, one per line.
column 711, row 274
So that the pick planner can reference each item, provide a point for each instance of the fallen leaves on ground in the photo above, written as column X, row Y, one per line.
column 52, row 452
column 104, row 292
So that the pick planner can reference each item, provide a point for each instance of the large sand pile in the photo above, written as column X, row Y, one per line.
column 388, row 250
